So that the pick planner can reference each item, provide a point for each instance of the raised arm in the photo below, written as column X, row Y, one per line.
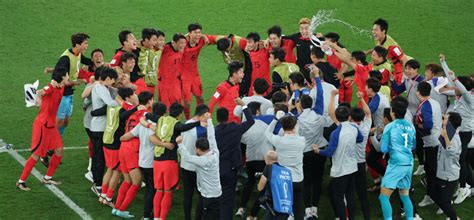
column 319, row 104
column 365, row 107
column 331, row 107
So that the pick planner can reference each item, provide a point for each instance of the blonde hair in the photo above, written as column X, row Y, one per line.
column 305, row 21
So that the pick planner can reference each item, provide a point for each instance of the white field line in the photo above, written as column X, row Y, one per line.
column 64, row 148
column 55, row 190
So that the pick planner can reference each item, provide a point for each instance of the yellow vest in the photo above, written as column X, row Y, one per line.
column 235, row 53
column 285, row 69
column 74, row 64
column 148, row 61
column 111, row 125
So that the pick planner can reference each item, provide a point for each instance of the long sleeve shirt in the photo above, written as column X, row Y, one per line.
column 428, row 120
column 100, row 97
column 364, row 128
column 448, row 160
column 189, row 141
column 327, row 88
column 410, row 86
column 377, row 105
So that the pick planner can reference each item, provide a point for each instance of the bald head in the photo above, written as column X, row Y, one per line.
column 271, row 157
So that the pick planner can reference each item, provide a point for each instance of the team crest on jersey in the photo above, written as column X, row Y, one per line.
column 216, row 95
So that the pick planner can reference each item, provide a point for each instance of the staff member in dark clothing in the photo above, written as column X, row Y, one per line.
column 228, row 136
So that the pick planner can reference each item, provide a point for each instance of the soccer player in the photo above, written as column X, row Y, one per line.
column 190, row 78
column 233, row 49
column 45, row 135
column 259, row 58
column 328, row 72
column 345, row 88
column 395, row 54
column 228, row 91
column 380, row 63
column 148, row 60
column 281, row 69
column 433, row 75
column 384, row 89
column 276, row 41
column 428, row 124
column 398, row 140
column 124, row 71
column 97, row 58
column 129, row 44
column 169, row 71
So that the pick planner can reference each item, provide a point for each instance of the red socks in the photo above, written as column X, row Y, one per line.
column 105, row 189
column 53, row 164
column 30, row 163
column 122, row 193
column 165, row 204
column 131, row 193
column 157, row 203
column 110, row 193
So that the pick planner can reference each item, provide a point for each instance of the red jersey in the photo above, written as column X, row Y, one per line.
column 116, row 61
column 334, row 61
column 224, row 96
column 85, row 75
column 289, row 47
column 190, row 60
column 169, row 70
column 133, row 121
column 395, row 53
column 360, row 78
column 49, row 105
column 260, row 67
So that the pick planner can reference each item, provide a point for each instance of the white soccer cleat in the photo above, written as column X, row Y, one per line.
column 426, row 201
column 439, row 211
column 417, row 217
column 88, row 176
column 420, row 170
column 462, row 195
column 314, row 211
column 240, row 212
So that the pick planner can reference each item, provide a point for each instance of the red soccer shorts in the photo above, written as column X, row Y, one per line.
column 166, row 175
column 128, row 156
column 169, row 93
column 191, row 87
column 112, row 160
column 44, row 139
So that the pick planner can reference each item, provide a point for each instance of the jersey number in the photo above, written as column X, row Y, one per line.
column 405, row 135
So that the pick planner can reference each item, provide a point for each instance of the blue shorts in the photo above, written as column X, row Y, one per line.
column 397, row 177
column 65, row 107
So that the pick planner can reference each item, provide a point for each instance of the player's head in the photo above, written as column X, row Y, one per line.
column 280, row 107
column 108, row 76
column 357, row 114
column 279, row 97
column 360, row 57
column 60, row 75
column 145, row 98
column 372, row 86
column 80, row 42
column 423, row 90
column 379, row 55
column 176, row 110
column 316, row 54
column 399, row 106
column 254, row 108
column 306, row 101
column 304, row 27
column 127, row 94
column 222, row 115
column 161, row 41
column 466, row 81
column 271, row 157
column 195, row 31
column 127, row 40
column 253, row 38
column 128, row 61
column 97, row 56
column 387, row 116
column 274, row 36
column 288, row 123
column 260, row 86
column 277, row 56
column 296, row 80
column 224, row 44
column 379, row 29
column 454, row 119
column 179, row 42
column 149, row 37
column 375, row 74
column 236, row 71
column 158, row 108
column 411, row 68
column 201, row 110
column 343, row 113
column 332, row 36
column 432, row 70
column 202, row 146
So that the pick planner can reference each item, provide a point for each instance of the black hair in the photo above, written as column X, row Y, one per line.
column 254, row 107
column 455, row 119
column 160, row 33
column 260, row 85
column 234, row 66
column 274, row 30
column 98, row 72
column 223, row 44
column 333, row 36
column 360, row 56
column 346, row 104
column 278, row 53
column 147, row 33
column 123, row 36
column 279, row 96
column 125, row 92
column 280, row 107
column 201, row 110
column 194, row 26
column 413, row 64
column 357, row 114
column 222, row 115
column 374, row 84
column 144, row 97
column 317, row 52
column 381, row 51
column 176, row 109
column 383, row 24
column 178, row 36
column 58, row 74
column 306, row 101
column 424, row 88
column 399, row 106
column 436, row 69
column 127, row 56
column 254, row 36
column 298, row 78
column 202, row 144
column 288, row 123
column 375, row 74
column 78, row 38
column 96, row 50
column 108, row 72
column 387, row 115
column 159, row 108
column 342, row 113
column 466, row 82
